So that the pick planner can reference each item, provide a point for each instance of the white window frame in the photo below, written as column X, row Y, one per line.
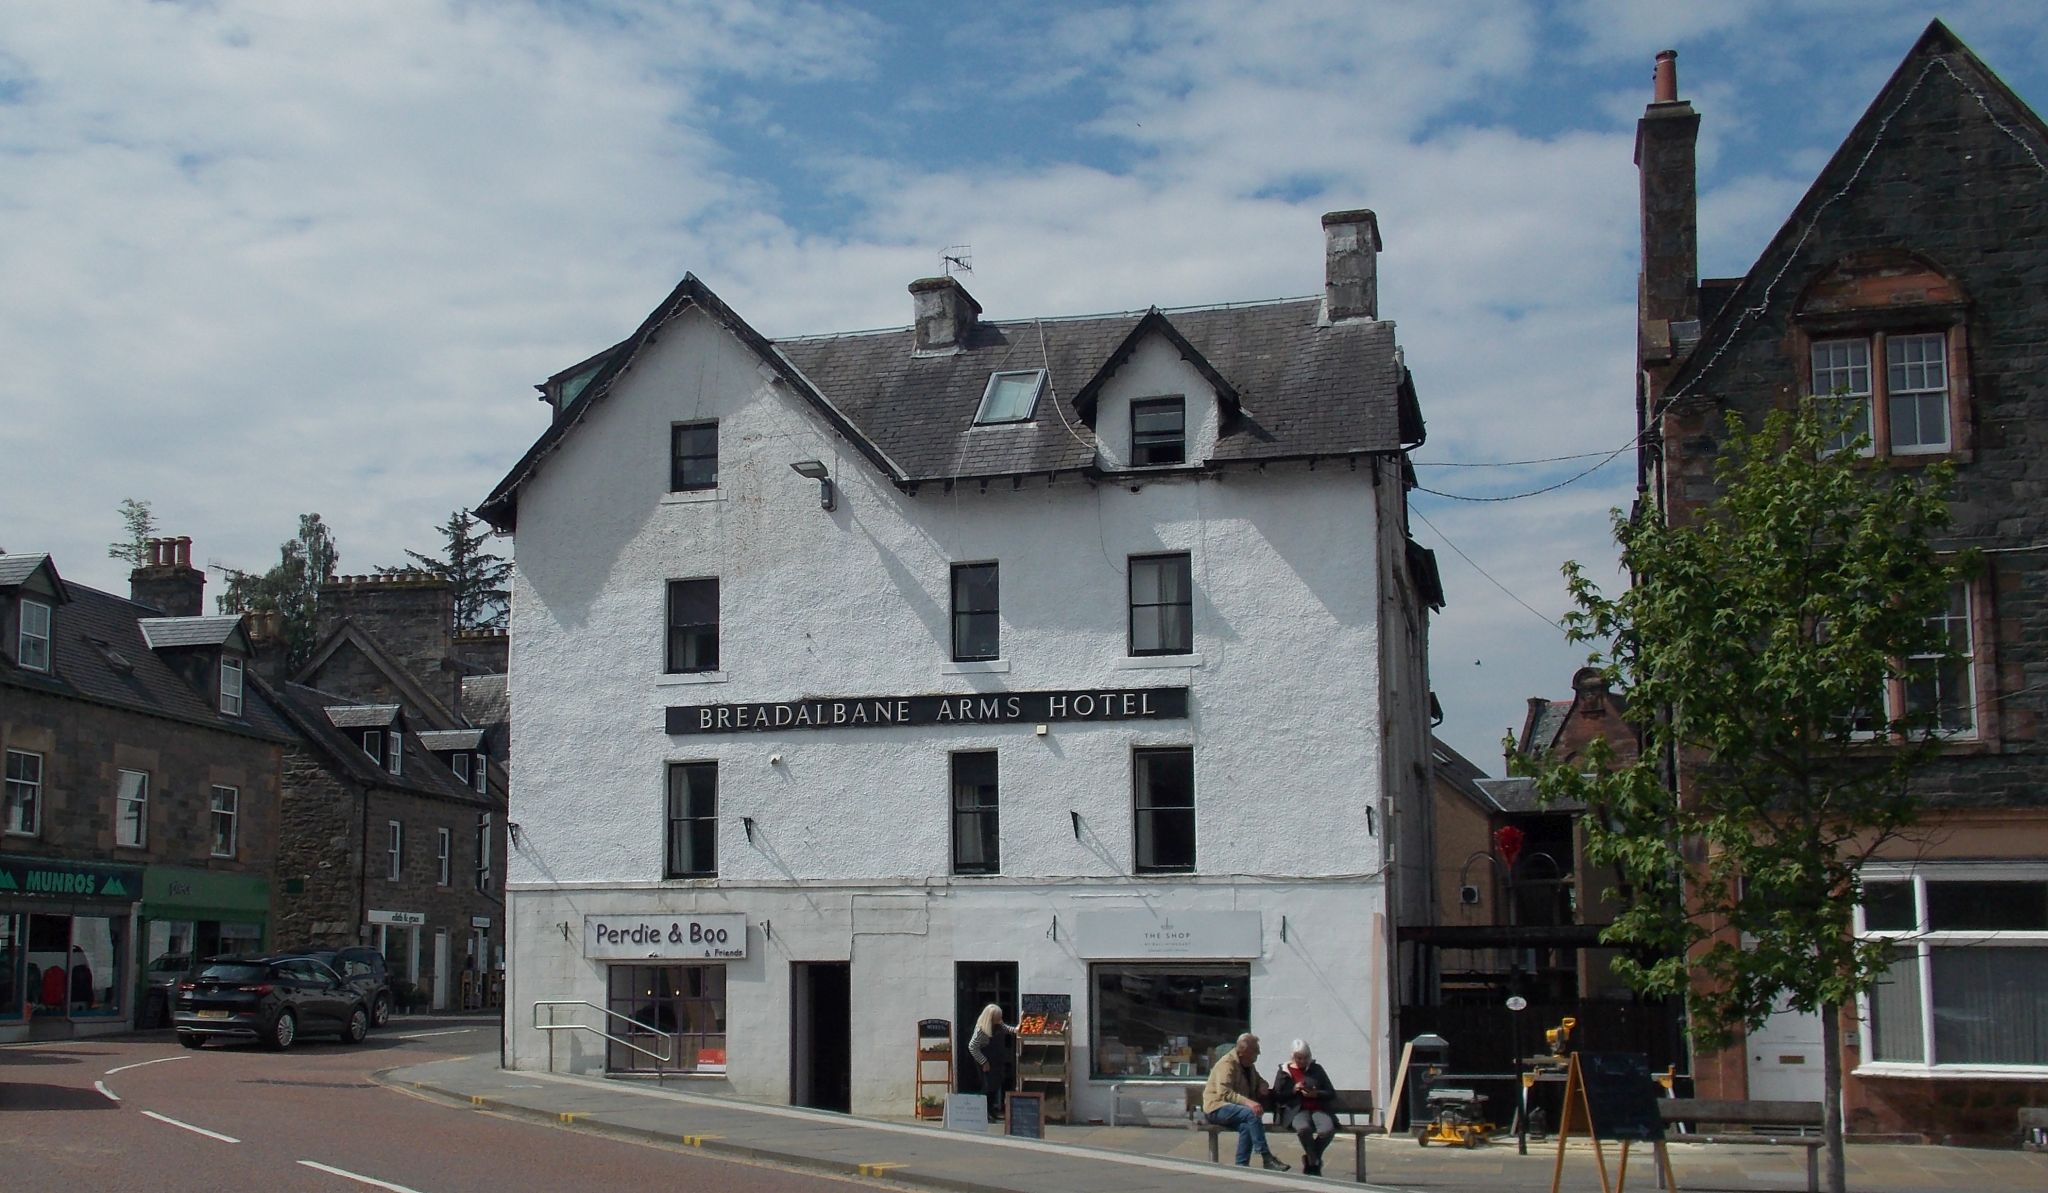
column 1897, row 385
column 459, row 763
column 394, row 760
column 373, row 745
column 444, row 848
column 394, row 851
column 1922, row 941
column 131, row 807
column 231, row 693
column 228, row 809
column 480, row 776
column 32, row 642
column 483, row 851
column 24, row 794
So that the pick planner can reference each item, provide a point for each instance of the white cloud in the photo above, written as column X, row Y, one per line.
column 264, row 259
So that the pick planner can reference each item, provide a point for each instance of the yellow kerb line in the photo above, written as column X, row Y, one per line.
column 698, row 1140
column 878, row 1169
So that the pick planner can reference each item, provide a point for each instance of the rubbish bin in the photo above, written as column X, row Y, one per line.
column 1429, row 1057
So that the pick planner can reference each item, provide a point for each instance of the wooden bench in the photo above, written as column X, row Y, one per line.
column 1352, row 1102
column 1781, row 1123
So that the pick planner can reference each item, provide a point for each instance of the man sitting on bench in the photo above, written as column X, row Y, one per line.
column 1236, row 1097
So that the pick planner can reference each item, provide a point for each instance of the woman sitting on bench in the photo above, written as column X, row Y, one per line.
column 1302, row 1090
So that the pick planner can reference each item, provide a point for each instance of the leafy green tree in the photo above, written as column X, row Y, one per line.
column 477, row 576
column 1761, row 637
column 141, row 524
column 291, row 587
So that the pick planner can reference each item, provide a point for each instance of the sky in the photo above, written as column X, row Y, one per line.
column 259, row 259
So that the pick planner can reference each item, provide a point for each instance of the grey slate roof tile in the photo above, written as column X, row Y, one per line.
column 438, row 740
column 161, row 632
column 1306, row 388
column 486, row 700
column 16, row 568
column 98, row 653
column 361, row 716
column 311, row 711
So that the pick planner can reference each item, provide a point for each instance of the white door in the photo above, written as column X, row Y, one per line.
column 1785, row 1058
column 440, row 969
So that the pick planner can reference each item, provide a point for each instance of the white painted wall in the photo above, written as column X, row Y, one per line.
column 1286, row 724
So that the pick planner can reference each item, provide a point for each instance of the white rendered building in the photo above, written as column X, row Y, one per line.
column 861, row 680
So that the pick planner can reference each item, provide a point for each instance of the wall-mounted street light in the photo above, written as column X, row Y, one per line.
column 816, row 470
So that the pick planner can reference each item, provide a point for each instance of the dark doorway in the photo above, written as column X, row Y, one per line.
column 975, row 985
column 820, row 1035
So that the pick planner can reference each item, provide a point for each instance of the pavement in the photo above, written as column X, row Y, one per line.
column 1169, row 1159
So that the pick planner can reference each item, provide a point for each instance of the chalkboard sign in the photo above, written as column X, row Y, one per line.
column 1621, row 1095
column 934, row 1029
column 1024, row 1114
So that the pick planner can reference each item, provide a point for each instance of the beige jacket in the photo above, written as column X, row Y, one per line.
column 1232, row 1081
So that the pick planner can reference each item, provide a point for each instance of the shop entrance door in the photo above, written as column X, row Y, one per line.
column 821, row 1035
column 975, row 985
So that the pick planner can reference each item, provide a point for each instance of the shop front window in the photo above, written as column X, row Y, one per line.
column 684, row 1002
column 74, row 965
column 13, row 944
column 1966, row 986
column 1166, row 1021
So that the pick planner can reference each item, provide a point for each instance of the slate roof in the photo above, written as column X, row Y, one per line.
column 99, row 654
column 162, row 632
column 1458, row 772
column 361, row 716
column 311, row 710
column 1518, row 797
column 16, row 569
column 1302, row 389
column 486, row 700
column 438, row 740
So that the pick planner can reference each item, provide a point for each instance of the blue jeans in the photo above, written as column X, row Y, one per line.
column 1251, row 1130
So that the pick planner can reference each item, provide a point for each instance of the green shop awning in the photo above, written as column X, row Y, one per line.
column 65, row 879
column 204, row 894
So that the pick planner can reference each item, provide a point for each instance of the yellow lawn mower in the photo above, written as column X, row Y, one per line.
column 1457, row 1117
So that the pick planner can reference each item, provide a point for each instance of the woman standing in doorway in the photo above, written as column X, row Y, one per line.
column 993, row 1047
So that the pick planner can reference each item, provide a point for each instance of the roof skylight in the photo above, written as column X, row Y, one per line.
column 1011, row 397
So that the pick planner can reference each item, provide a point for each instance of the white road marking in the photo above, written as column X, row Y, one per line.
column 102, row 1087
column 138, row 1064
column 421, row 1035
column 189, row 1127
column 357, row 1176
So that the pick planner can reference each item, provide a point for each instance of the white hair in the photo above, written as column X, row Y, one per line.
column 986, row 1024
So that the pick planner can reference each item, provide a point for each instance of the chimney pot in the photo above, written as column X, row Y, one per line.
column 1351, row 288
column 945, row 315
column 1667, row 78
column 168, row 582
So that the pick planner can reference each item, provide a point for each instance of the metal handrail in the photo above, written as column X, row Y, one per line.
column 661, row 1058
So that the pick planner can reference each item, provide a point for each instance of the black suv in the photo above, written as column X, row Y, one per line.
column 362, row 967
column 274, row 998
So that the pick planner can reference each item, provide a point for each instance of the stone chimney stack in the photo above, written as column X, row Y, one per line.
column 266, row 634
column 1668, row 290
column 945, row 314
column 168, row 581
column 411, row 617
column 1351, row 284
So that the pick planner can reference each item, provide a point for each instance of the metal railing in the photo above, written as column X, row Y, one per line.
column 661, row 1058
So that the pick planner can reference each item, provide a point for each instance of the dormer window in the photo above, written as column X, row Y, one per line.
column 231, row 687
column 373, row 745
column 459, row 763
column 33, row 651
column 482, row 775
column 386, row 749
column 1159, row 433
column 1010, row 397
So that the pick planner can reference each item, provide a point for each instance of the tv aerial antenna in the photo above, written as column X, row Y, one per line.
column 957, row 258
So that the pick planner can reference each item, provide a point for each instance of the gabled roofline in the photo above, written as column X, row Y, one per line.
column 501, row 508
column 1155, row 322
column 416, row 694
column 49, row 565
column 1757, row 283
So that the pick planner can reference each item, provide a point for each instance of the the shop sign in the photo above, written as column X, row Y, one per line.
column 680, row 937
column 1144, row 933
column 76, row 880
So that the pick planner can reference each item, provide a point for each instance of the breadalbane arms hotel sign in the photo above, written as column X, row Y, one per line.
column 980, row 708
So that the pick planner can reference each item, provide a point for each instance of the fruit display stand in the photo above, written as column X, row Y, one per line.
column 934, row 1048
column 1044, row 1049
